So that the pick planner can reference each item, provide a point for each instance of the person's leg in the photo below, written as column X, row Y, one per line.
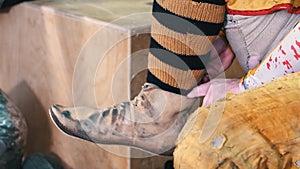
column 182, row 32
column 254, row 37
column 284, row 59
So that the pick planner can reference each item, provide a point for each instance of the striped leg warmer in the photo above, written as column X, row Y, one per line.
column 181, row 36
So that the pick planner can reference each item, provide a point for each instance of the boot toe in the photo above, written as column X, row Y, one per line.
column 63, row 119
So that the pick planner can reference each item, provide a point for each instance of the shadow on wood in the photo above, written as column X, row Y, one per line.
column 39, row 133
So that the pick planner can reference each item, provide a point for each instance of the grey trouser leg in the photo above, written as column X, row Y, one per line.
column 253, row 37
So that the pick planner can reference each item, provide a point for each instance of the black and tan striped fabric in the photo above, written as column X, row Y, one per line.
column 181, row 34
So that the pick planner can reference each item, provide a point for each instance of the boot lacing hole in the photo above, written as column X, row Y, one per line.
column 134, row 102
column 139, row 100
column 145, row 86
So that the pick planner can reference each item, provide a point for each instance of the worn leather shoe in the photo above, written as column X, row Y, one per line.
column 151, row 121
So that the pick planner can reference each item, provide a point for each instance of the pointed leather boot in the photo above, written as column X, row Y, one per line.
column 151, row 121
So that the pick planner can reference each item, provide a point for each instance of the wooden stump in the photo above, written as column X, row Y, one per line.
column 259, row 128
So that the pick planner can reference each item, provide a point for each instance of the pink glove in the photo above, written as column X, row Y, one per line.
column 220, row 59
column 215, row 89
column 283, row 60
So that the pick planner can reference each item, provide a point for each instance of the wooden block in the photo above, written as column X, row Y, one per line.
column 259, row 127
column 41, row 47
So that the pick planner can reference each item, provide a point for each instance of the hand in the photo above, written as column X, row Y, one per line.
column 219, row 60
column 215, row 90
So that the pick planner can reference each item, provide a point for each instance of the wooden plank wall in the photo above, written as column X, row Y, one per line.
column 39, row 48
